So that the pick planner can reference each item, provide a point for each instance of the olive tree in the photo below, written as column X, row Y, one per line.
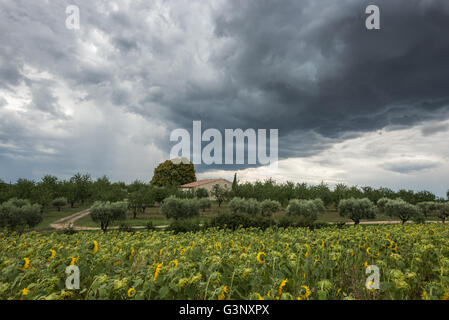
column 106, row 212
column 269, row 207
column 219, row 193
column 204, row 204
column 250, row 206
column 442, row 210
column 381, row 204
column 175, row 208
column 401, row 209
column 306, row 208
column 59, row 203
column 237, row 204
column 18, row 214
column 356, row 209
column 428, row 208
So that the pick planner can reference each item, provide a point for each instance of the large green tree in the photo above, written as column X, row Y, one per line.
column 169, row 173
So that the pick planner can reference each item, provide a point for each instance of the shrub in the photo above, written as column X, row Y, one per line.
column 106, row 212
column 268, row 207
column 17, row 214
column 184, row 225
column 204, row 203
column 356, row 209
column 306, row 208
column 401, row 209
column 175, row 208
column 59, row 203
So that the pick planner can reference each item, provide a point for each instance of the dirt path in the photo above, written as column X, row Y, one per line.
column 70, row 220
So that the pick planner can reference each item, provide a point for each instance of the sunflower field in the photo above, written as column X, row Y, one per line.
column 292, row 263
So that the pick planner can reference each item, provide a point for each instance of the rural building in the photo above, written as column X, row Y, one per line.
column 207, row 184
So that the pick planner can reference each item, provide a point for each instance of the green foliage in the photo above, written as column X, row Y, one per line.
column 249, row 206
column 436, row 209
column 427, row 208
column 306, row 208
column 442, row 210
column 171, row 174
column 106, row 212
column 237, row 205
column 269, row 207
column 18, row 214
column 59, row 203
column 140, row 199
column 23, row 189
column 401, row 209
column 81, row 187
column 356, row 209
column 104, row 190
column 381, row 204
column 201, row 193
column 6, row 191
column 205, row 203
column 234, row 183
column 175, row 208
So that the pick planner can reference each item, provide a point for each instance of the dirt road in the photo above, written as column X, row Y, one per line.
column 70, row 221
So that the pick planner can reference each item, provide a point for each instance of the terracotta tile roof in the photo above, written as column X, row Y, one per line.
column 199, row 183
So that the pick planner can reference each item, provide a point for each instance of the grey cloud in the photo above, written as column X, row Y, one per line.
column 410, row 166
column 434, row 128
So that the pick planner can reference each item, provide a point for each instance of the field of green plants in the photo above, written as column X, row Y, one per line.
column 292, row 263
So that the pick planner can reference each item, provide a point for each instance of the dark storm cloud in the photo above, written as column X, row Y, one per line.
column 304, row 66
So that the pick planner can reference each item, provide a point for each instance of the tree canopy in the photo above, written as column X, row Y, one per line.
column 170, row 174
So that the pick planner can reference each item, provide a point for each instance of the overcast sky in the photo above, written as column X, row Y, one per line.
column 351, row 105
